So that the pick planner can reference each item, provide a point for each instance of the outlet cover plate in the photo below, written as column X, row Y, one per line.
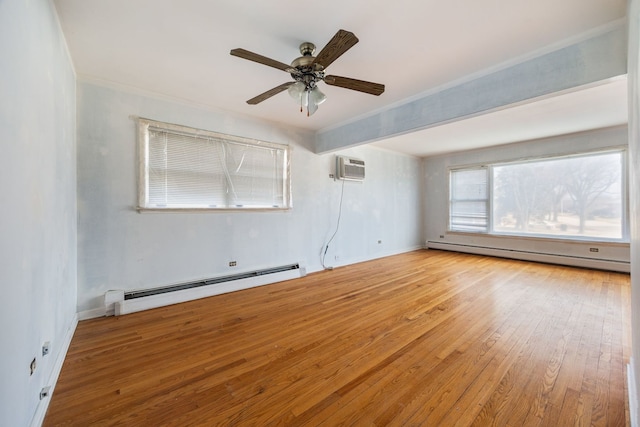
column 45, row 392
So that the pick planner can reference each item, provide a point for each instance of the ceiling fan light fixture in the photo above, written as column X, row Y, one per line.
column 312, row 107
column 296, row 91
column 316, row 97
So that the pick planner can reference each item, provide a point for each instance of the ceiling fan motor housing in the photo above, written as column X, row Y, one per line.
column 308, row 72
column 307, row 49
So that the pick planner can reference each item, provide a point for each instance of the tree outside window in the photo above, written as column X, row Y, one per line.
column 572, row 196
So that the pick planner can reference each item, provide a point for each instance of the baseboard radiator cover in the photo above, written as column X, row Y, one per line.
column 119, row 302
column 574, row 261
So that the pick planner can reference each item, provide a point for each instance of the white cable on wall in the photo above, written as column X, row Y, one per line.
column 326, row 247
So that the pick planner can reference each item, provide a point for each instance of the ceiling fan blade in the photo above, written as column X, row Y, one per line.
column 341, row 42
column 245, row 54
column 353, row 84
column 268, row 94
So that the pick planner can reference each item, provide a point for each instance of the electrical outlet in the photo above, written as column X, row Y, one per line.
column 594, row 250
column 337, row 257
column 45, row 348
column 32, row 366
column 45, row 392
column 232, row 263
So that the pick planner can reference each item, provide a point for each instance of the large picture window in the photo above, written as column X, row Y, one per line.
column 573, row 197
column 186, row 168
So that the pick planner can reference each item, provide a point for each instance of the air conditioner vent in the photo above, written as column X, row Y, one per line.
column 349, row 168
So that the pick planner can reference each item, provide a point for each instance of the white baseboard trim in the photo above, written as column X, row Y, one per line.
column 92, row 314
column 372, row 257
column 633, row 394
column 574, row 261
column 41, row 410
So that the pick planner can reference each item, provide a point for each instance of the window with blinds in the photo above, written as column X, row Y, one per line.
column 579, row 196
column 468, row 201
column 186, row 168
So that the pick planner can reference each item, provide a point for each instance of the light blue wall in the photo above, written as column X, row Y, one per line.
column 121, row 249
column 38, row 216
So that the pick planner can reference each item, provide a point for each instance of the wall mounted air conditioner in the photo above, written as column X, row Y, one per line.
column 349, row 168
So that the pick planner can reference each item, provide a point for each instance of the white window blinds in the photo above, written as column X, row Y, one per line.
column 468, row 203
column 185, row 168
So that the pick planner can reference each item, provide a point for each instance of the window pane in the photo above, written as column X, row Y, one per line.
column 185, row 171
column 468, row 200
column 191, row 168
column 256, row 175
column 567, row 197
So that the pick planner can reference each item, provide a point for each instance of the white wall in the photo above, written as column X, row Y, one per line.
column 119, row 248
column 634, row 151
column 437, row 198
column 38, row 216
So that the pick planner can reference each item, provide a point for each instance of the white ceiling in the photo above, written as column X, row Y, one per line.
column 180, row 49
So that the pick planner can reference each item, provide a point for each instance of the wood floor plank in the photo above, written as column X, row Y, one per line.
column 428, row 404
column 422, row 338
column 476, row 397
column 550, row 358
column 527, row 365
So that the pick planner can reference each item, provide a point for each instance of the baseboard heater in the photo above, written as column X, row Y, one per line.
column 119, row 302
column 570, row 260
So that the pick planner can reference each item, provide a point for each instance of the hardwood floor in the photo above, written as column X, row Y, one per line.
column 426, row 338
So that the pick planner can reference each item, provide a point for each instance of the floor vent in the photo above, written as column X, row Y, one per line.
column 120, row 302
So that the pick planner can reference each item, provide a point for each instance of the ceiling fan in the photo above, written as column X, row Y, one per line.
column 308, row 70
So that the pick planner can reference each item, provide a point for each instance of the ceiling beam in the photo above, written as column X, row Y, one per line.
column 586, row 62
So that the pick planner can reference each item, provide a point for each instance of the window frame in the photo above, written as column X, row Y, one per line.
column 490, row 231
column 143, row 205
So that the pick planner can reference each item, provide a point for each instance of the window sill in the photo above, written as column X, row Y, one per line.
column 208, row 210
